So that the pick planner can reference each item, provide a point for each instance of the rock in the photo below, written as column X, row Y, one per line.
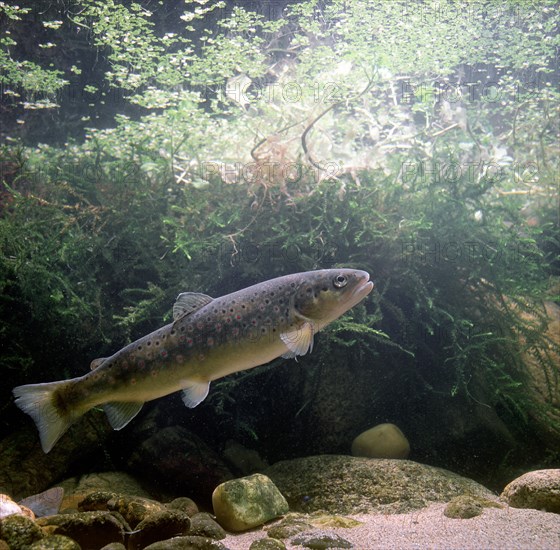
column 55, row 542
column 326, row 520
column 114, row 546
column 467, row 506
column 135, row 509
column 159, row 526
column 381, row 441
column 46, row 503
column 351, row 485
column 267, row 544
column 244, row 461
column 88, row 529
column 187, row 543
column 183, row 504
column 203, row 525
column 117, row 483
column 295, row 523
column 319, row 540
column 19, row 531
column 539, row 490
column 244, row 503
column 288, row 527
column 9, row 507
column 182, row 461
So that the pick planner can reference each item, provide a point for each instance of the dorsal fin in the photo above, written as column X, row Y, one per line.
column 96, row 363
column 188, row 302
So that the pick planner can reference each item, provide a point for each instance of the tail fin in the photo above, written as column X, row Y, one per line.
column 37, row 401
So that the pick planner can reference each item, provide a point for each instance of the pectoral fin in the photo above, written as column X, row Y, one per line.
column 194, row 393
column 299, row 340
column 120, row 414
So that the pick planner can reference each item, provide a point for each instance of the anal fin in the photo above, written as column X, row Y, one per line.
column 121, row 413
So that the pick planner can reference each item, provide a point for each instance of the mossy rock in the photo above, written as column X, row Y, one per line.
column 338, row 484
column 468, row 506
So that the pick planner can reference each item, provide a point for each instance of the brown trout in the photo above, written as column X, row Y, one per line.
column 208, row 338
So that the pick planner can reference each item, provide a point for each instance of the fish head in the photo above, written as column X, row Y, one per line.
column 326, row 294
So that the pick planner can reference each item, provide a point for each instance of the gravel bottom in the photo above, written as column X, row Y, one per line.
column 500, row 529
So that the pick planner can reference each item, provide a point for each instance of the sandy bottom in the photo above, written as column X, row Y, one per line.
column 507, row 528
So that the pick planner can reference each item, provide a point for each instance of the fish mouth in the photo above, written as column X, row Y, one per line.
column 363, row 288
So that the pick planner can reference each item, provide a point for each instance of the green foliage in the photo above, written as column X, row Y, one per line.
column 353, row 133
column 25, row 82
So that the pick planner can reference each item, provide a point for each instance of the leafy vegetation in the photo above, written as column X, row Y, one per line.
column 419, row 144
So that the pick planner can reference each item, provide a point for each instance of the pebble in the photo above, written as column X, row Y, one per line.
column 247, row 502
column 539, row 489
column 184, row 504
column 88, row 529
column 204, row 525
column 159, row 526
column 321, row 541
column 55, row 542
column 19, row 532
column 187, row 543
column 267, row 544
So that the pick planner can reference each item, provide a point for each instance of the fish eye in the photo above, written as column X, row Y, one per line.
column 340, row 281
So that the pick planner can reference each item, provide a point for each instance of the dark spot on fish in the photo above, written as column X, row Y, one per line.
column 243, row 306
column 139, row 348
column 324, row 289
column 223, row 310
column 157, row 342
column 148, row 343
column 172, row 332
column 182, row 329
column 267, row 301
column 292, row 285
